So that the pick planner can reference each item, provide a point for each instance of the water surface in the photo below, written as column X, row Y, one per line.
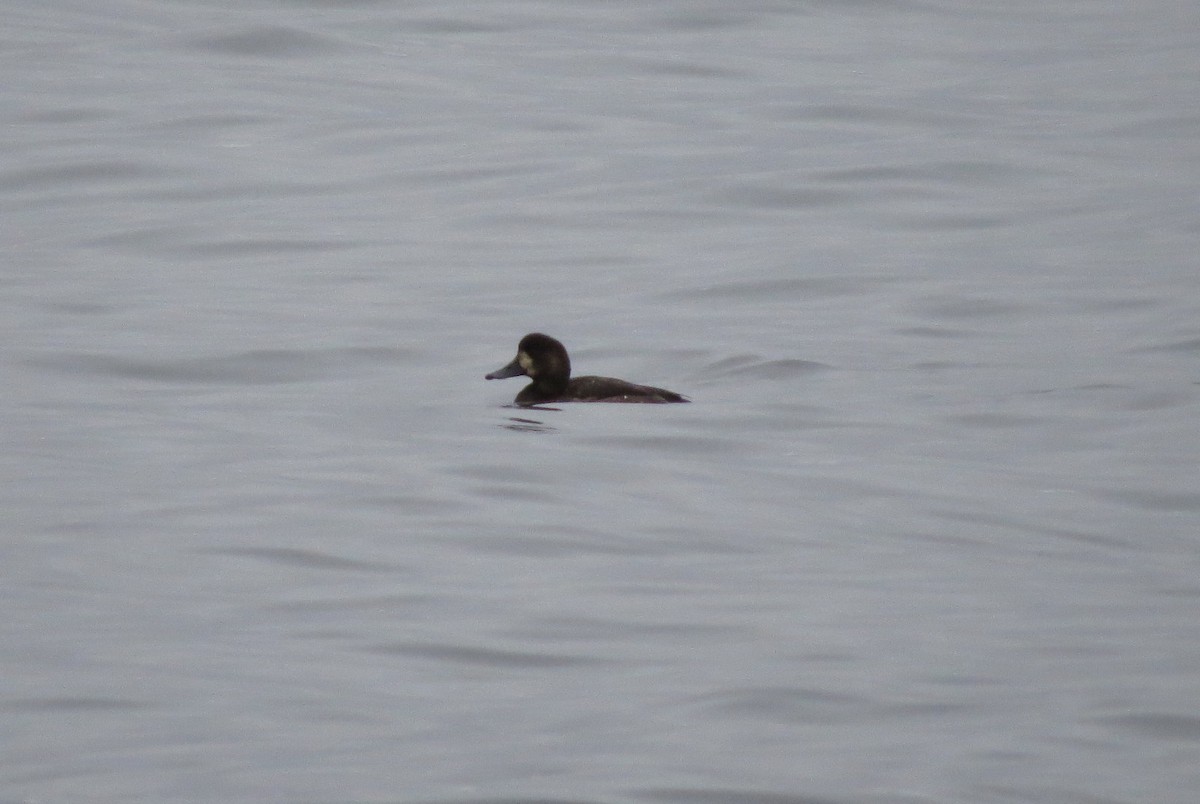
column 927, row 533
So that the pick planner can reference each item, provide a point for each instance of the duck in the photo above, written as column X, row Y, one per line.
column 545, row 361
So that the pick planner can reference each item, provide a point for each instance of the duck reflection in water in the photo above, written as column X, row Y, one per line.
column 528, row 425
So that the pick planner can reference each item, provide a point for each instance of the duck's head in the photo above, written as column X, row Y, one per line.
column 539, row 357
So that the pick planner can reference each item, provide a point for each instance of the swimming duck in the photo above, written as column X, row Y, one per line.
column 544, row 360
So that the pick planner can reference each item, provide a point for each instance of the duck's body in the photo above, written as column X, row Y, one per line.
column 544, row 360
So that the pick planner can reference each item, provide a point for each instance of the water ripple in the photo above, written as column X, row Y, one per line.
column 1186, row 346
column 271, row 41
column 308, row 559
column 70, row 704
column 787, row 704
column 686, row 795
column 799, row 288
column 257, row 367
column 755, row 367
column 487, row 657
column 75, row 175
column 1164, row 725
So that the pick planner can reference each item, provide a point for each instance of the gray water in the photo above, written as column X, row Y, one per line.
column 927, row 533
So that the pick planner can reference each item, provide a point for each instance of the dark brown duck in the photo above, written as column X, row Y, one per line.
column 544, row 360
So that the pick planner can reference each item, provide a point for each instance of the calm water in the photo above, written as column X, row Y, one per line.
column 930, row 531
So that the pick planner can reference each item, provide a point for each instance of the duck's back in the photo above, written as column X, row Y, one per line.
column 610, row 389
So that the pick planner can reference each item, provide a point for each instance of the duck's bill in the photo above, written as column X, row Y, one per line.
column 513, row 369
